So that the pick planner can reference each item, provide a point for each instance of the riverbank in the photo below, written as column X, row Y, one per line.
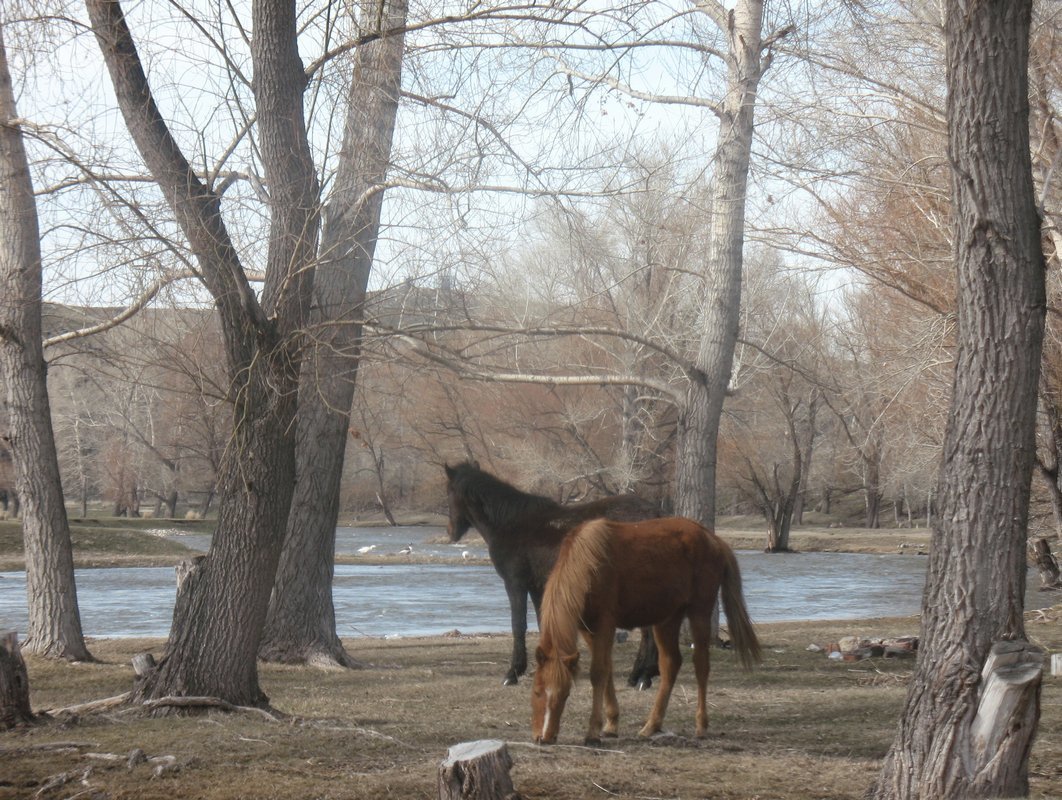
column 799, row 727
column 115, row 542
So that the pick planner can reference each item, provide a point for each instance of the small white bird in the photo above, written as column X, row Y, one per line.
column 466, row 554
column 405, row 551
column 366, row 549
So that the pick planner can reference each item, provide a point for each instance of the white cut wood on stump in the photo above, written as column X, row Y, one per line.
column 143, row 664
column 1056, row 664
column 1009, row 704
column 477, row 771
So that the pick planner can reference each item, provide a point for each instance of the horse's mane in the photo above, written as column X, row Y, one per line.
column 502, row 504
column 581, row 555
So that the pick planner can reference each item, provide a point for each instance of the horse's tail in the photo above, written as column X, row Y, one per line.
column 742, row 634
column 581, row 555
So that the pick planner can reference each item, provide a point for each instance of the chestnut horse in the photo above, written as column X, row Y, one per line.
column 523, row 533
column 612, row 575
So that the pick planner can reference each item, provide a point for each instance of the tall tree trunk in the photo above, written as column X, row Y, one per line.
column 699, row 418
column 54, row 618
column 301, row 624
column 217, row 627
column 949, row 744
column 807, row 448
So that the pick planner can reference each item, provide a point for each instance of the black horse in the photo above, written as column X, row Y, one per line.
column 523, row 533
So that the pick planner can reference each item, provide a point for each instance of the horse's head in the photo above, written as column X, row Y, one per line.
column 553, row 683
column 460, row 517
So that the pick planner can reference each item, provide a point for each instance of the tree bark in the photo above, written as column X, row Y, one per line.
column 976, row 580
column 54, row 618
column 301, row 624
column 695, row 461
column 14, row 680
column 213, row 644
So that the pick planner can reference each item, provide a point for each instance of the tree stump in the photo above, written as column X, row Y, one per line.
column 14, row 684
column 143, row 664
column 1009, row 707
column 1050, row 576
column 477, row 771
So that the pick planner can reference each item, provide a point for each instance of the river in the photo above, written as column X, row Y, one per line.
column 397, row 600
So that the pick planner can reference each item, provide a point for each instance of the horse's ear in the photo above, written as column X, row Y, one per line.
column 449, row 470
column 571, row 663
column 475, row 464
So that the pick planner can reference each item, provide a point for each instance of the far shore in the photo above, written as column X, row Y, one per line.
column 102, row 542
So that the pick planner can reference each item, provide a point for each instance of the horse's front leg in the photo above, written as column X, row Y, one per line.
column 518, row 608
column 600, row 644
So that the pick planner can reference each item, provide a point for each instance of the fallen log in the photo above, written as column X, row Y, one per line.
column 91, row 706
column 477, row 771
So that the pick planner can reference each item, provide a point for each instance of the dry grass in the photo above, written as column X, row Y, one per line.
column 799, row 727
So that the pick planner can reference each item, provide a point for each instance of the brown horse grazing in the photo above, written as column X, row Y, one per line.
column 614, row 575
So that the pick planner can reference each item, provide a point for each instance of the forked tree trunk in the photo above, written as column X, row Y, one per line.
column 54, row 618
column 963, row 733
column 216, row 631
column 301, row 625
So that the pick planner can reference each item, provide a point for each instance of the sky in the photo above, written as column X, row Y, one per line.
column 555, row 136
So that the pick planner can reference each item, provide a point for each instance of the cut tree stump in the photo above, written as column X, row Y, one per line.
column 143, row 664
column 14, row 684
column 1009, row 707
column 1050, row 575
column 477, row 771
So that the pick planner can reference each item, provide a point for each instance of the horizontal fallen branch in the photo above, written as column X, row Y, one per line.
column 45, row 747
column 91, row 706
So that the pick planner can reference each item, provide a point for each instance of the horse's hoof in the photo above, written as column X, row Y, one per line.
column 590, row 741
column 610, row 734
column 645, row 684
column 510, row 680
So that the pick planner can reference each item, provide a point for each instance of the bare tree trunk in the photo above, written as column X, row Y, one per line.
column 957, row 737
column 699, row 418
column 301, row 621
column 54, row 618
column 214, row 639
column 807, row 449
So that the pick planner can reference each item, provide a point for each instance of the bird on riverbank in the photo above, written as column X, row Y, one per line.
column 366, row 549
column 405, row 551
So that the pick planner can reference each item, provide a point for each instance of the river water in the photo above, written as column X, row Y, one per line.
column 429, row 599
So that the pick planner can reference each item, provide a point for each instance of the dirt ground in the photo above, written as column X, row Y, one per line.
column 801, row 726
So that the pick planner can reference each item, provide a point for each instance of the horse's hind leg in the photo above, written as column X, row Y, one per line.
column 518, row 610
column 701, row 629
column 645, row 662
column 667, row 642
